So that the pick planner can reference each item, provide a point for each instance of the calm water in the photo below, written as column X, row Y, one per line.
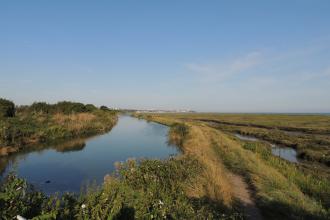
column 286, row 153
column 246, row 138
column 68, row 166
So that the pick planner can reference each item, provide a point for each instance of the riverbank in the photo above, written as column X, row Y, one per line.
column 43, row 123
column 174, row 188
column 280, row 189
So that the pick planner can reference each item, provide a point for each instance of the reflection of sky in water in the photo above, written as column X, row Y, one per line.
column 66, row 171
column 285, row 153
column 246, row 138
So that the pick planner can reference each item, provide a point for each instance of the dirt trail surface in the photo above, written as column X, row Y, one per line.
column 243, row 193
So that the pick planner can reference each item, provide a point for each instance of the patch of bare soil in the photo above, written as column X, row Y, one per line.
column 244, row 195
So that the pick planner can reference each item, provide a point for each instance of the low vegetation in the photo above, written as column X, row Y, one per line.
column 308, row 134
column 178, row 134
column 282, row 190
column 43, row 123
column 148, row 189
column 199, row 184
column 7, row 108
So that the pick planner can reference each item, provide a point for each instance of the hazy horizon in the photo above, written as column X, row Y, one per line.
column 207, row 56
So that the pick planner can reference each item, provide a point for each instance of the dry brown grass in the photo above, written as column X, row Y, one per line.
column 213, row 183
column 80, row 117
column 4, row 151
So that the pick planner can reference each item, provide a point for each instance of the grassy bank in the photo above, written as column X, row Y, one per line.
column 43, row 123
column 281, row 189
column 150, row 189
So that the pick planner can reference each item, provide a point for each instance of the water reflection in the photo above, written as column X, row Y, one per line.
column 246, row 138
column 286, row 153
column 66, row 166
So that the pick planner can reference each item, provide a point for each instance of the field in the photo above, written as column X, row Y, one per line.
column 278, row 188
column 309, row 134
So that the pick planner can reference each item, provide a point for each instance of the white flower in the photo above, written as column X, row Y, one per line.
column 160, row 202
column 83, row 206
column 20, row 217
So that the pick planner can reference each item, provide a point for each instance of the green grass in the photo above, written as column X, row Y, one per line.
column 304, row 123
column 316, row 186
column 277, row 192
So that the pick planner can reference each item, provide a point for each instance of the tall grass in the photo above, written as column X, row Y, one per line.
column 277, row 195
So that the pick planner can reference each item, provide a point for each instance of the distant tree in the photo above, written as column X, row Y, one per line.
column 70, row 107
column 90, row 107
column 7, row 108
column 104, row 108
column 42, row 107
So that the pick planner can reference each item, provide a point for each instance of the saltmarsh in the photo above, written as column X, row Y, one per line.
column 281, row 189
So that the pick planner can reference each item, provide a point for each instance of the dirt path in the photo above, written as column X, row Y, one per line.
column 243, row 193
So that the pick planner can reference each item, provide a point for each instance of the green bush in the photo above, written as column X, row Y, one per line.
column 104, row 108
column 91, row 107
column 65, row 107
column 41, row 107
column 17, row 197
column 7, row 108
column 70, row 107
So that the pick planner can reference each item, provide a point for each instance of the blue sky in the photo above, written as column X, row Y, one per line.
column 227, row 56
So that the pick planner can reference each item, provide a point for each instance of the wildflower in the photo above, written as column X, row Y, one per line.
column 20, row 217
column 83, row 206
column 160, row 202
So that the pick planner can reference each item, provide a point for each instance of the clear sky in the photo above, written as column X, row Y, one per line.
column 227, row 56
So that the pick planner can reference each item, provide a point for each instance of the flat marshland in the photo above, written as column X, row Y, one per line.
column 279, row 188
column 216, row 176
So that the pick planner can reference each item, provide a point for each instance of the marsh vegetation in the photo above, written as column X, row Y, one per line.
column 217, row 176
column 25, row 126
column 280, row 189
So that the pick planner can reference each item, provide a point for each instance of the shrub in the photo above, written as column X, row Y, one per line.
column 70, row 107
column 7, row 108
column 91, row 107
column 178, row 134
column 42, row 107
column 104, row 108
column 17, row 197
